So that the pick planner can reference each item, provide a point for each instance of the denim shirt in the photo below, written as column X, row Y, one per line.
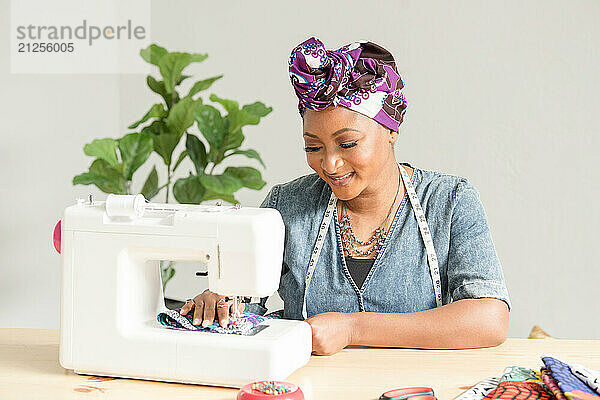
column 399, row 281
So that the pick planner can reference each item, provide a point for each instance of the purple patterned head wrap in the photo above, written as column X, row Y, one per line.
column 361, row 76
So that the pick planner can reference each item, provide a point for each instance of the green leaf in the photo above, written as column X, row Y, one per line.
column 159, row 87
column 181, row 79
column 87, row 178
column 164, row 141
column 203, row 85
column 156, row 128
column 164, row 144
column 150, row 188
column 231, row 106
column 120, row 168
column 102, row 168
column 156, row 86
column 104, row 176
column 233, row 140
column 172, row 64
column 182, row 156
column 153, row 54
column 197, row 151
column 156, row 111
column 250, row 153
column 182, row 115
column 222, row 184
column 209, row 195
column 105, row 149
column 135, row 149
column 212, row 155
column 250, row 177
column 258, row 109
column 241, row 119
column 250, row 114
column 211, row 125
column 197, row 57
column 189, row 190
column 166, row 272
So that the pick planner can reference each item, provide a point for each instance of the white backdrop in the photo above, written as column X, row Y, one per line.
column 503, row 93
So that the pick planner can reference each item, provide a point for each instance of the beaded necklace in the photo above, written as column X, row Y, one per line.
column 350, row 242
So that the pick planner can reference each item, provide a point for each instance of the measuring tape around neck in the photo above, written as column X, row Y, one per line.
column 432, row 259
column 423, row 228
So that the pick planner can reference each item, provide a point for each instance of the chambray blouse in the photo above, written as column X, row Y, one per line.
column 399, row 280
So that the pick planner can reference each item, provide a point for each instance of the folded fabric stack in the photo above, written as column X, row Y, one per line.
column 569, row 379
column 555, row 380
column 244, row 324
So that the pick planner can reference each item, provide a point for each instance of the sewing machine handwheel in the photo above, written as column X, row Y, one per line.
column 270, row 390
column 56, row 237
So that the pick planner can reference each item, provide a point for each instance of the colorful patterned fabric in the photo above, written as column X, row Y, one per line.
column 571, row 385
column 590, row 377
column 361, row 76
column 243, row 326
column 552, row 385
column 518, row 390
column 520, row 383
column 480, row 389
column 515, row 373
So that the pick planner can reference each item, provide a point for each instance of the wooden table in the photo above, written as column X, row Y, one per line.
column 29, row 369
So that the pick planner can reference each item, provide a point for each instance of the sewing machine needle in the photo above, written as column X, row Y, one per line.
column 236, row 310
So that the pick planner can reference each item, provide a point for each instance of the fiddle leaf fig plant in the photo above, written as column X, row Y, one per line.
column 211, row 137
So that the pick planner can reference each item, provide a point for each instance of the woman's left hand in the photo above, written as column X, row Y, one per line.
column 331, row 332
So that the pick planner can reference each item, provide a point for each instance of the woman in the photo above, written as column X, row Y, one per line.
column 376, row 253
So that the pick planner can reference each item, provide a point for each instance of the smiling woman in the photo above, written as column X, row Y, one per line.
column 377, row 252
column 358, row 162
column 359, row 151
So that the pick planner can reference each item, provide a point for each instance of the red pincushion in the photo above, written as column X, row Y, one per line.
column 252, row 391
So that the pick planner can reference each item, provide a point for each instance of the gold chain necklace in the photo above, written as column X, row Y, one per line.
column 349, row 239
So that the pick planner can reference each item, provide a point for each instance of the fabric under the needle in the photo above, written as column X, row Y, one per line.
column 245, row 323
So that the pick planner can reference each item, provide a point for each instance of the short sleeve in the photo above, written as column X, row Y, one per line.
column 474, row 270
column 271, row 200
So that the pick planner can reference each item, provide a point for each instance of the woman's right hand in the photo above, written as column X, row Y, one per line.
column 205, row 305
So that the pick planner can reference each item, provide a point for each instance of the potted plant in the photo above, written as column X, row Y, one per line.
column 179, row 113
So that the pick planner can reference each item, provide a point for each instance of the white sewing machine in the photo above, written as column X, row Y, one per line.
column 112, row 291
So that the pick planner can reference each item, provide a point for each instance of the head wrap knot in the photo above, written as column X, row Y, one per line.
column 361, row 76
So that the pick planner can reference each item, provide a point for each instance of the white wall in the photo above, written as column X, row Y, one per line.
column 45, row 120
column 503, row 93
